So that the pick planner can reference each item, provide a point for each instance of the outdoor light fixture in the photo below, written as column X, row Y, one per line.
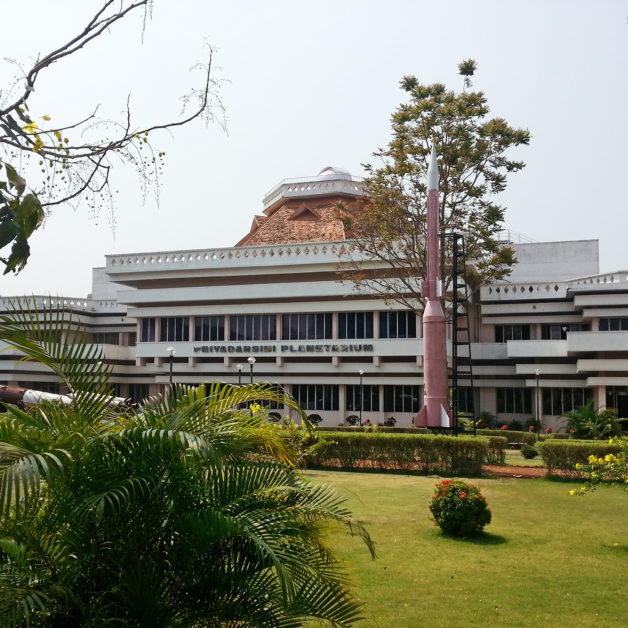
column 171, row 351
column 537, row 374
column 239, row 367
column 251, row 362
column 361, row 394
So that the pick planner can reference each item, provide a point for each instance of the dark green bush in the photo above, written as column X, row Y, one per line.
column 564, row 455
column 529, row 452
column 421, row 452
column 459, row 508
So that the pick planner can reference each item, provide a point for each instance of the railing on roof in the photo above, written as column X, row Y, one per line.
column 513, row 237
column 70, row 303
column 309, row 186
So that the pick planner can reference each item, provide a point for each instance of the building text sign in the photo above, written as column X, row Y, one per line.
column 287, row 348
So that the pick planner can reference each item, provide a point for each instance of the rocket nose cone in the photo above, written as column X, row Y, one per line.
column 432, row 171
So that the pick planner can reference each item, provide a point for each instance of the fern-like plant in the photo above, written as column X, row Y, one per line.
column 186, row 512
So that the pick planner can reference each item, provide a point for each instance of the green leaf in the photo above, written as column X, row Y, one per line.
column 8, row 231
column 20, row 252
column 14, row 179
column 29, row 214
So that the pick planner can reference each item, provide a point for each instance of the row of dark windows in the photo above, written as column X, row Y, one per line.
column 402, row 398
column 351, row 325
column 556, row 401
column 613, row 324
column 549, row 331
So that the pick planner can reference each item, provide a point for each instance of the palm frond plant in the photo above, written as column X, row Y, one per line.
column 187, row 512
column 587, row 423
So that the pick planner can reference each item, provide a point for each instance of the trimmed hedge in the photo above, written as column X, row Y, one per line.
column 373, row 428
column 561, row 455
column 512, row 436
column 555, row 436
column 412, row 452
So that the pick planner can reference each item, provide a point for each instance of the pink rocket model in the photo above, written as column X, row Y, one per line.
column 435, row 411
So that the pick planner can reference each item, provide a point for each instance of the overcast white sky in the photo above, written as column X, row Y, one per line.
column 313, row 84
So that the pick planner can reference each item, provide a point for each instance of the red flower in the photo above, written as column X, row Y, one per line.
column 548, row 430
column 503, row 427
column 531, row 428
column 462, row 495
column 446, row 482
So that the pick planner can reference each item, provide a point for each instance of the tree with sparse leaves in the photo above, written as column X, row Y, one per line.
column 73, row 161
column 388, row 233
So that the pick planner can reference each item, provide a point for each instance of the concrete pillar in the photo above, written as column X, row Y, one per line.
column 599, row 397
column 342, row 401
column 334, row 325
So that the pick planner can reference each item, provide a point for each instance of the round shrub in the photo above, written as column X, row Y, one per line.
column 459, row 508
column 314, row 419
column 529, row 452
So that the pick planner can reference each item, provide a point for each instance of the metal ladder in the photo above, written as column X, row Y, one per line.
column 462, row 365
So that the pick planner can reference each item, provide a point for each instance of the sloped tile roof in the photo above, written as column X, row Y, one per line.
column 313, row 220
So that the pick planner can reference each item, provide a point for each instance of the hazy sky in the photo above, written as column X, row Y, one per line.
column 312, row 84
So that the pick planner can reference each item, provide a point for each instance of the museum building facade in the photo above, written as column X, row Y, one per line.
column 273, row 308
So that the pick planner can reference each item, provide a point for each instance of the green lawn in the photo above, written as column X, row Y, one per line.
column 547, row 559
column 515, row 459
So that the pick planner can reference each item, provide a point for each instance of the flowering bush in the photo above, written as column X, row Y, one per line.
column 503, row 427
column 611, row 469
column 549, row 430
column 531, row 428
column 459, row 508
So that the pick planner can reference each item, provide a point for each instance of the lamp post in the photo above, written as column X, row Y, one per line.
column 239, row 367
column 537, row 374
column 361, row 394
column 251, row 362
column 171, row 351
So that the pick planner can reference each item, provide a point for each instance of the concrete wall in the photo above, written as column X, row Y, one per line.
column 555, row 261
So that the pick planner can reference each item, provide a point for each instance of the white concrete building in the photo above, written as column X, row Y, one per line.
column 548, row 339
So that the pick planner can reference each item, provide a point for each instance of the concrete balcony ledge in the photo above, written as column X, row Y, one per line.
column 488, row 351
column 597, row 341
column 594, row 366
column 537, row 348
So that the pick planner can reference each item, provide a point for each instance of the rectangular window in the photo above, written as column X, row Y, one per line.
column 106, row 338
column 138, row 392
column 559, row 332
column 253, row 327
column 403, row 398
column 132, row 339
column 398, row 324
column 504, row 333
column 367, row 398
column 557, row 401
column 355, row 325
column 175, row 328
column 316, row 396
column 148, row 330
column 514, row 401
column 48, row 387
column 465, row 400
column 613, row 324
column 209, row 328
column 306, row 326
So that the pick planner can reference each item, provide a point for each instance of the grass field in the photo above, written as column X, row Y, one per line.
column 547, row 559
column 515, row 459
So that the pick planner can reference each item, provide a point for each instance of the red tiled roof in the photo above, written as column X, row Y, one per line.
column 298, row 220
